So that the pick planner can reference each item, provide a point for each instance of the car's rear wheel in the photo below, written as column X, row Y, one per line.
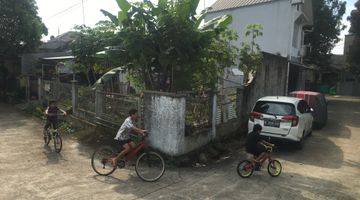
column 310, row 133
column 300, row 144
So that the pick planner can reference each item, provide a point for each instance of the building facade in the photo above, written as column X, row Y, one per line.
column 285, row 24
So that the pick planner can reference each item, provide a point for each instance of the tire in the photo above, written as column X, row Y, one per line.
column 245, row 169
column 310, row 133
column 47, row 137
column 150, row 166
column 300, row 144
column 274, row 168
column 100, row 161
column 57, row 143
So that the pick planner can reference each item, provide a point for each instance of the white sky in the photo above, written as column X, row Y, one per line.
column 61, row 16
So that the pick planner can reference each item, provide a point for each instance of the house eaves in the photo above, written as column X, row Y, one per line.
column 221, row 5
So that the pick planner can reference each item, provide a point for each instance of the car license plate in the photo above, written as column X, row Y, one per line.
column 272, row 123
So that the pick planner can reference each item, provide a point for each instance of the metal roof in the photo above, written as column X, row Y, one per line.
column 281, row 99
column 220, row 5
column 59, row 58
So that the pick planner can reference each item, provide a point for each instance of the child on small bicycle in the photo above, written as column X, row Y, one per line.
column 52, row 113
column 123, row 135
column 255, row 145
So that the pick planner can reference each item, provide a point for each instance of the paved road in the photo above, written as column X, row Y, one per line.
column 327, row 168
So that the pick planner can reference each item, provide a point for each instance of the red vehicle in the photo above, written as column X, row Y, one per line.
column 317, row 102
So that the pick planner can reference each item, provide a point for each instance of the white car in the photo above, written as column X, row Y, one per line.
column 285, row 118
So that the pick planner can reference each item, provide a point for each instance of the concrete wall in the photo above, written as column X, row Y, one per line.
column 165, row 119
column 270, row 80
column 165, row 112
column 349, row 85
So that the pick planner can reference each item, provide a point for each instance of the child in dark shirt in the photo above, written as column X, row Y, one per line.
column 51, row 113
column 255, row 145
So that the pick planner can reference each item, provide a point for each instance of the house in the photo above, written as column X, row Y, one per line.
column 57, row 48
column 285, row 24
column 346, row 83
column 52, row 59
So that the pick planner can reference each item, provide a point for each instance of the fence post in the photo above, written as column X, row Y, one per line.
column 74, row 96
column 28, row 88
column 99, row 100
column 239, row 102
column 213, row 117
column 40, row 87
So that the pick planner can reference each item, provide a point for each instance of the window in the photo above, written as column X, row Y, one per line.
column 303, row 107
column 274, row 108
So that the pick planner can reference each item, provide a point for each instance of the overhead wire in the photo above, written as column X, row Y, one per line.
column 70, row 8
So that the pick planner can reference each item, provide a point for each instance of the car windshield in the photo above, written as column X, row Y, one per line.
column 274, row 108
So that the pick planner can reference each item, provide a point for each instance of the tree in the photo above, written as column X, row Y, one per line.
column 166, row 48
column 354, row 58
column 250, row 53
column 20, row 26
column 327, row 28
column 20, row 31
column 89, row 42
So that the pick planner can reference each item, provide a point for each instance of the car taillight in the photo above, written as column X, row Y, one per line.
column 255, row 115
column 291, row 118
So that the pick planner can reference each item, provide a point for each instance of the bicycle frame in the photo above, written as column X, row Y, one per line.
column 133, row 153
column 265, row 158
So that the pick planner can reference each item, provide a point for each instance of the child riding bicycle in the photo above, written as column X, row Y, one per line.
column 256, row 146
column 52, row 113
column 123, row 136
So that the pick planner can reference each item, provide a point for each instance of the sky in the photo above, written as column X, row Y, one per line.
column 61, row 16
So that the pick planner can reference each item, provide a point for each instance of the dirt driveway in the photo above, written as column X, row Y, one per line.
column 327, row 168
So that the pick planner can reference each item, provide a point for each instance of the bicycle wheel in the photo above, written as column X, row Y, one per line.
column 47, row 137
column 150, row 166
column 57, row 143
column 245, row 169
column 100, row 161
column 274, row 168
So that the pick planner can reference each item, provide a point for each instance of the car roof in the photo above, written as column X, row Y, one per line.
column 306, row 93
column 283, row 99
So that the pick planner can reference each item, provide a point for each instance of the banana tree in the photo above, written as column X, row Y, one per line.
column 168, row 48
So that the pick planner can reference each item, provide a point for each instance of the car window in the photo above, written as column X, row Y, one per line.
column 274, row 108
column 303, row 107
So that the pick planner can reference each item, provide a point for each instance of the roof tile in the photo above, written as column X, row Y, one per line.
column 220, row 5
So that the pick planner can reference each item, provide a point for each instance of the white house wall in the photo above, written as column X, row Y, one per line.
column 277, row 21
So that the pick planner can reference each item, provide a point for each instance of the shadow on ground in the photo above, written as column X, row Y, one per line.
column 288, row 186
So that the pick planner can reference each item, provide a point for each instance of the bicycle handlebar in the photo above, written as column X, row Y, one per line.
column 140, row 135
column 269, row 148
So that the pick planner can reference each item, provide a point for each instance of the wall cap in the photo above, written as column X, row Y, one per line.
column 168, row 94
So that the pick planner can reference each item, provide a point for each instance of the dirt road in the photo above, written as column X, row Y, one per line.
column 327, row 168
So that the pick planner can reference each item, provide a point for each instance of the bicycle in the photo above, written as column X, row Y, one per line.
column 246, row 168
column 52, row 133
column 149, row 166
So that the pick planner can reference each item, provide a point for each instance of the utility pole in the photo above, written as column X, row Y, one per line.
column 83, row 11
